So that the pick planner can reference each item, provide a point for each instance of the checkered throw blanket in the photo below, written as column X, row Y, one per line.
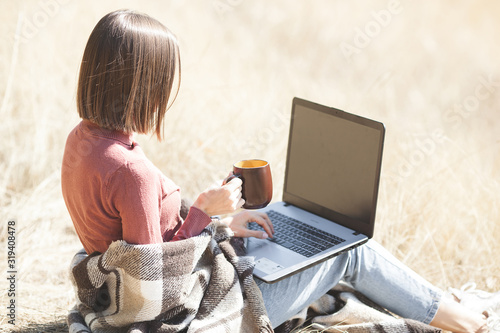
column 344, row 310
column 200, row 284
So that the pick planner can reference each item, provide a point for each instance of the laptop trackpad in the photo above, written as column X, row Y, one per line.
column 271, row 258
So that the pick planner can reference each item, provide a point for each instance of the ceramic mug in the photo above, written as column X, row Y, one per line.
column 257, row 188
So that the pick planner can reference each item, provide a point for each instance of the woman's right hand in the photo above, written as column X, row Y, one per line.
column 220, row 200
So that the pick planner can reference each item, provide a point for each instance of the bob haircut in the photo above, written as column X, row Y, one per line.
column 127, row 73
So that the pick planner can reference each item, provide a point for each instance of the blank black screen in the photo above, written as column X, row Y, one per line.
column 334, row 162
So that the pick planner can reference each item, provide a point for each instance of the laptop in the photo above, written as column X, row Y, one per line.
column 330, row 191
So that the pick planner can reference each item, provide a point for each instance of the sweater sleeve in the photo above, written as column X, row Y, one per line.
column 194, row 224
column 136, row 196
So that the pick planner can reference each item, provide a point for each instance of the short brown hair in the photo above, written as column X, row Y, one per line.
column 127, row 73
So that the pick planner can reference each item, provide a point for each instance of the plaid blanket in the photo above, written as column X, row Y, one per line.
column 343, row 309
column 201, row 284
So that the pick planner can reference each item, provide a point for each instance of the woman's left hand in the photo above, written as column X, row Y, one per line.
column 238, row 224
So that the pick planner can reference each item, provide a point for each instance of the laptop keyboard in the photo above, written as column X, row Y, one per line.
column 298, row 236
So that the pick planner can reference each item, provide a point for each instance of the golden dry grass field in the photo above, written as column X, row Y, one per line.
column 427, row 69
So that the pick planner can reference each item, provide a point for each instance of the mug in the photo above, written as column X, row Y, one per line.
column 257, row 188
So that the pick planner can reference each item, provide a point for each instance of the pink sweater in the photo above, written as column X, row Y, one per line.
column 113, row 192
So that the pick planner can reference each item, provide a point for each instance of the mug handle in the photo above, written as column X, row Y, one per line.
column 228, row 179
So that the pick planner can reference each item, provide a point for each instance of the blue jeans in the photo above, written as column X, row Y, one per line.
column 371, row 270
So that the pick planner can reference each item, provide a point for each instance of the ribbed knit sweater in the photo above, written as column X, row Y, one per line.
column 114, row 192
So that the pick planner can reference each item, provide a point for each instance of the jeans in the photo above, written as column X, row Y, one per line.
column 369, row 269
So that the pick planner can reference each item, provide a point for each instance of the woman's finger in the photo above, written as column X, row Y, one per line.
column 229, row 177
column 263, row 220
column 269, row 222
column 256, row 234
column 240, row 203
column 240, row 230
column 234, row 183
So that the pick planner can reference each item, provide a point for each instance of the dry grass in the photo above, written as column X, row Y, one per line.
column 422, row 72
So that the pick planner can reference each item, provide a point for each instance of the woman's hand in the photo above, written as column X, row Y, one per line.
column 221, row 200
column 238, row 224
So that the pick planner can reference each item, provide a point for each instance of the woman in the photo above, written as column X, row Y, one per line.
column 113, row 192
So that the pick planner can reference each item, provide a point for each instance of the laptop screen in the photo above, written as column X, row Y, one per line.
column 333, row 164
